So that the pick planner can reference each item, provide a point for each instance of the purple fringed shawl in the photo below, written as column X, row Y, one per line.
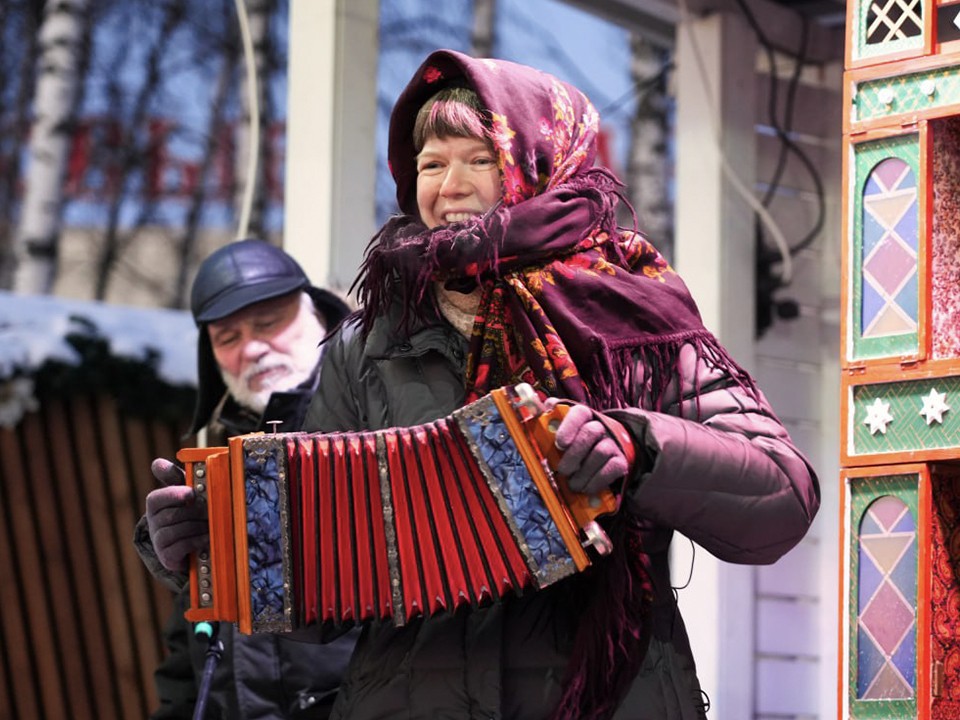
column 570, row 303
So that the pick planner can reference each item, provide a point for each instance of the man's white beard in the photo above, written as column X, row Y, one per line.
column 239, row 386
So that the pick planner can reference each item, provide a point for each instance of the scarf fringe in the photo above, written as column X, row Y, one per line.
column 606, row 191
column 612, row 638
column 390, row 272
column 613, row 379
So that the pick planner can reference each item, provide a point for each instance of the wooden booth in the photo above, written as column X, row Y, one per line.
column 900, row 409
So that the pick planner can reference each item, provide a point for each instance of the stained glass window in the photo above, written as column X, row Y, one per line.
column 890, row 242
column 887, row 602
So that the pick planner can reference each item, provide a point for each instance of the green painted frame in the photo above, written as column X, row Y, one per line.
column 866, row 157
column 863, row 51
column 864, row 490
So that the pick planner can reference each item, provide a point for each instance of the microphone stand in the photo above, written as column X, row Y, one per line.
column 211, row 631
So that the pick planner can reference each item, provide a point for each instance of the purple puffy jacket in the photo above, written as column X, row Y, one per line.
column 722, row 470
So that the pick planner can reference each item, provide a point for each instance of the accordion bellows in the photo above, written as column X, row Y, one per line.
column 344, row 528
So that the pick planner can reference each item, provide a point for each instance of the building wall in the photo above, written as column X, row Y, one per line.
column 145, row 271
column 796, row 362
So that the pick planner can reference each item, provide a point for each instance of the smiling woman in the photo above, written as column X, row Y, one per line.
column 507, row 265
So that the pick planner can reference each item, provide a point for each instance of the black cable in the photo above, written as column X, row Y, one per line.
column 787, row 107
column 783, row 136
column 693, row 556
column 704, row 704
column 639, row 86
column 677, row 588
column 214, row 653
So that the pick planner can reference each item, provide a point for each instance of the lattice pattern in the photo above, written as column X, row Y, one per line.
column 890, row 242
column 909, row 93
column 887, row 603
column 883, row 27
column 893, row 20
column 909, row 429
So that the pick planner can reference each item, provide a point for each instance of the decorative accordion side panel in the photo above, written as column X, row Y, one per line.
column 945, row 592
column 269, row 549
column 945, row 230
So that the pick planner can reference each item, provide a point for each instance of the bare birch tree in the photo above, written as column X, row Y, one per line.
column 259, row 14
column 64, row 45
column 130, row 152
column 214, row 138
column 17, row 86
column 648, row 166
column 484, row 21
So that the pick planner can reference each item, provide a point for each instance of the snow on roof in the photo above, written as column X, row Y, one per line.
column 33, row 331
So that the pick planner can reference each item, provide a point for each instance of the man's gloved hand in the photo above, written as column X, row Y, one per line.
column 597, row 450
column 176, row 521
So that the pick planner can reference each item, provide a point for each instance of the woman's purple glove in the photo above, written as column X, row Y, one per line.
column 597, row 450
column 176, row 521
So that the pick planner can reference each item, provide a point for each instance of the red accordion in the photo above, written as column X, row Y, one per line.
column 343, row 528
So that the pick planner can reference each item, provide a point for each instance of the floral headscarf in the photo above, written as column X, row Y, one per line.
column 541, row 141
column 571, row 300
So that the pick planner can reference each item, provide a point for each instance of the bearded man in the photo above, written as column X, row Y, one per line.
column 259, row 356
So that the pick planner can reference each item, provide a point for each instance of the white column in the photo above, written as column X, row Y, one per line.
column 331, row 124
column 714, row 254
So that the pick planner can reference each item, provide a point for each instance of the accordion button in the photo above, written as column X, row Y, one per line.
column 205, row 597
column 205, row 583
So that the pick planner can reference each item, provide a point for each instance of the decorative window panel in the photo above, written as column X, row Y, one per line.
column 886, row 291
column 883, row 557
column 899, row 95
column 905, row 417
column 887, row 26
